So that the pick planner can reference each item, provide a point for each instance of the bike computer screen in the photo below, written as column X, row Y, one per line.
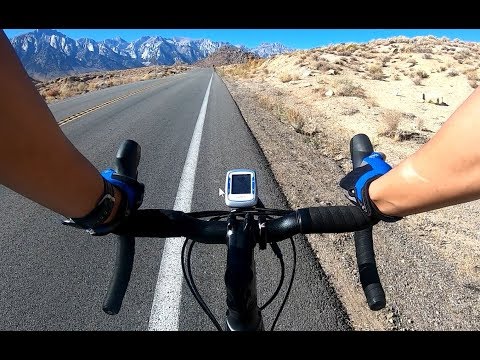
column 240, row 188
column 241, row 184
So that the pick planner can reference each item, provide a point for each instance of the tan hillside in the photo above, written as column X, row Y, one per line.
column 68, row 86
column 304, row 107
column 227, row 55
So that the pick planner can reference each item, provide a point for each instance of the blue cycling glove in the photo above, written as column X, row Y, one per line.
column 128, row 186
column 357, row 182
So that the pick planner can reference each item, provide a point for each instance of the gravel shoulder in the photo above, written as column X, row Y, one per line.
column 429, row 263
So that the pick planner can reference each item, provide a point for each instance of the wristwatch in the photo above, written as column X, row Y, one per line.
column 102, row 210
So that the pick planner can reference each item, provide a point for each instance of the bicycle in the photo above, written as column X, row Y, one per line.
column 242, row 230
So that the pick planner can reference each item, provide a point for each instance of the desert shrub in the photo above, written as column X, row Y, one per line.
column 419, row 123
column 412, row 61
column 52, row 92
column 321, row 65
column 391, row 120
column 471, row 74
column 345, row 87
column 376, row 72
column 384, row 60
column 422, row 74
column 417, row 80
column 452, row 72
column 148, row 76
column 286, row 78
column 81, row 87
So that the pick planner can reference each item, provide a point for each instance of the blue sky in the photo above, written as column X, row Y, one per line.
column 294, row 38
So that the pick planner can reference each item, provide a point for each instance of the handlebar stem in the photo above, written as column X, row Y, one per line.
column 243, row 313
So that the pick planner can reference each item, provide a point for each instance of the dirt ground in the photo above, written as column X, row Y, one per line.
column 398, row 92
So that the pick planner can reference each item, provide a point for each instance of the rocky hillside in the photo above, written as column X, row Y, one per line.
column 227, row 55
column 265, row 50
column 303, row 108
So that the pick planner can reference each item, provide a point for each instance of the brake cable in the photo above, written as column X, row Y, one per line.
column 275, row 248
column 294, row 250
column 191, row 283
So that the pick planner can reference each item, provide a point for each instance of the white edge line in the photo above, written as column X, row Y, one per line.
column 166, row 301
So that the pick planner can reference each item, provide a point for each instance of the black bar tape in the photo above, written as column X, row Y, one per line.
column 170, row 223
column 121, row 276
column 334, row 219
column 367, row 269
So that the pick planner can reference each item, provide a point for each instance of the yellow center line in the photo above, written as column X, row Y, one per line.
column 96, row 107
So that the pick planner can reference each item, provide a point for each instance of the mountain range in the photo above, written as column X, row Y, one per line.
column 47, row 54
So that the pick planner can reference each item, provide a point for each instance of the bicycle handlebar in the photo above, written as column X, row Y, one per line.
column 170, row 223
column 126, row 163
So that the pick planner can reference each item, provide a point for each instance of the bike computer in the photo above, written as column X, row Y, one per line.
column 241, row 188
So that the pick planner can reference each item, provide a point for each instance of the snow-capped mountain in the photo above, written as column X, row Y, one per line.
column 48, row 53
column 268, row 49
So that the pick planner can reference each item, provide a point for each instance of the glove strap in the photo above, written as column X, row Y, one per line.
column 102, row 210
column 371, row 209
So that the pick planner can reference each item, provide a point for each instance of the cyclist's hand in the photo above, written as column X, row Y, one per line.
column 356, row 183
column 131, row 198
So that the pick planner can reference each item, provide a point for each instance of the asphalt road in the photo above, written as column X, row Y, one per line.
column 55, row 278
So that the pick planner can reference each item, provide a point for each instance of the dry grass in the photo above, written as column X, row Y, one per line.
column 243, row 70
column 391, row 120
column 349, row 111
column 54, row 92
column 66, row 87
column 471, row 74
column 417, row 80
column 413, row 62
column 376, row 72
column 285, row 114
column 453, row 72
column 346, row 87
column 286, row 78
column 419, row 124
column 473, row 83
column 321, row 65
column 422, row 74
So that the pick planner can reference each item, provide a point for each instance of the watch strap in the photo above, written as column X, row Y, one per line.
column 102, row 210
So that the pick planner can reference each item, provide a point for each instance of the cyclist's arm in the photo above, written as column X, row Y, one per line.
column 36, row 158
column 445, row 171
